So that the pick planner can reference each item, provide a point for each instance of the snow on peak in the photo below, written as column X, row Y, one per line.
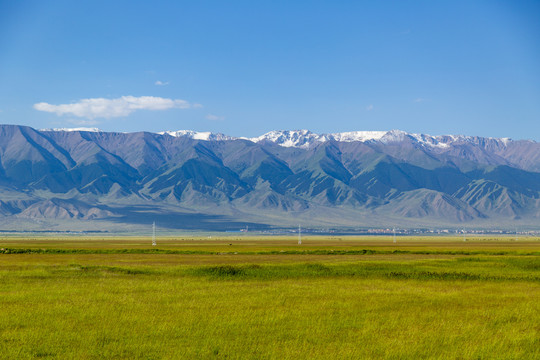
column 505, row 141
column 306, row 138
column 74, row 129
column 432, row 141
column 198, row 135
column 445, row 141
column 289, row 138
column 358, row 136
column 393, row 136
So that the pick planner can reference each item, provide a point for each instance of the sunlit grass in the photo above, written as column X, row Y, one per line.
column 269, row 306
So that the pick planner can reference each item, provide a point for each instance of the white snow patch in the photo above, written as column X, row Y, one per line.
column 305, row 138
column 198, row 135
column 432, row 141
column 289, row 138
column 358, row 136
column 393, row 136
column 74, row 129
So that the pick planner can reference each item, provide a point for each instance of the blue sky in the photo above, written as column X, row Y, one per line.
column 247, row 67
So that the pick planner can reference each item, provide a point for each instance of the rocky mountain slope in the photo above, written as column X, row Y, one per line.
column 197, row 180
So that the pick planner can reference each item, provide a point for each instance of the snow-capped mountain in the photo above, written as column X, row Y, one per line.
column 292, row 138
column 330, row 178
column 306, row 138
column 73, row 129
column 198, row 135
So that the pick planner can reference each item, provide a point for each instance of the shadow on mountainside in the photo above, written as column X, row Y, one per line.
column 141, row 215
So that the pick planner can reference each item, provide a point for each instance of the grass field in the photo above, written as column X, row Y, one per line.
column 241, row 297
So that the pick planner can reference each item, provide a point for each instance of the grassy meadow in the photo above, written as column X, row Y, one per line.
column 248, row 297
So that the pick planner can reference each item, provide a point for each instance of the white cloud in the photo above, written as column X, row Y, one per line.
column 419, row 100
column 161, row 83
column 214, row 117
column 369, row 107
column 111, row 108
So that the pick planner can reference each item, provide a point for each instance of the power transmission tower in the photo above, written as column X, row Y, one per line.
column 154, row 234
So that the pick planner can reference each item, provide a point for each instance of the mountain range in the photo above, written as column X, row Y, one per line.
column 88, row 179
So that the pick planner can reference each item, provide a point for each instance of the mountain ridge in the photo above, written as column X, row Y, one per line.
column 278, row 179
column 297, row 138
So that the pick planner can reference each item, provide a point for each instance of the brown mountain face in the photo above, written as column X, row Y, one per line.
column 398, row 178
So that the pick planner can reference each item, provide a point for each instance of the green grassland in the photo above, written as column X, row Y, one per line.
column 248, row 297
